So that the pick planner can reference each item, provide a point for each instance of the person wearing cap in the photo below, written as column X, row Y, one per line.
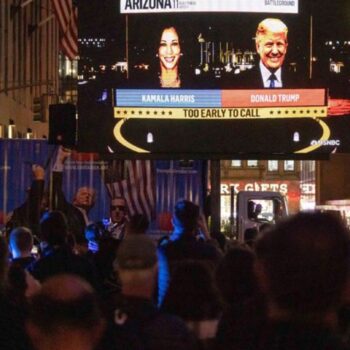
column 137, row 319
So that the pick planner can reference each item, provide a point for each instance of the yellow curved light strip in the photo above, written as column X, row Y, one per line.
column 119, row 137
column 325, row 136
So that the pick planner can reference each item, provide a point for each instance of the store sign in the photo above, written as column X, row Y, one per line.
column 285, row 187
column 307, row 188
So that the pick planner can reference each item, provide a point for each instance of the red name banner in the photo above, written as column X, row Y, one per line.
column 274, row 98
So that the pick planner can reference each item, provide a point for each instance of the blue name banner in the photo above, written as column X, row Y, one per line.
column 168, row 98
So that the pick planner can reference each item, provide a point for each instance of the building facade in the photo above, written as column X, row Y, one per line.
column 29, row 67
column 296, row 180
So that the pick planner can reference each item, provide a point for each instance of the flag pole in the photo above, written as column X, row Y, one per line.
column 127, row 45
column 311, row 48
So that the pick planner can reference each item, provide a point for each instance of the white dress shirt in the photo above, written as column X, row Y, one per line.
column 265, row 74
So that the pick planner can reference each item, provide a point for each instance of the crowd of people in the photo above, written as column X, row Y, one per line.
column 288, row 289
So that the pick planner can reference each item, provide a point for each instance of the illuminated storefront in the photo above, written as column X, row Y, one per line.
column 296, row 183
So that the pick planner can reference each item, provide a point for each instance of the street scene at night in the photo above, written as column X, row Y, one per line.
column 174, row 175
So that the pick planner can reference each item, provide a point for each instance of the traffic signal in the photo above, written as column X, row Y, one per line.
column 37, row 109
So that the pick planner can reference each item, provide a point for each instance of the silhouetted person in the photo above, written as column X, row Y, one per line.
column 137, row 225
column 250, row 235
column 193, row 296
column 235, row 276
column 36, row 203
column 184, row 244
column 102, row 252
column 21, row 245
column 303, row 264
column 251, row 209
column 12, row 332
column 58, row 257
column 244, row 314
column 65, row 315
column 138, row 322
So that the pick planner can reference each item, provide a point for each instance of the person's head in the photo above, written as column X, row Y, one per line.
column 85, row 198
column 64, row 313
column 303, row 263
column 235, row 276
column 118, row 210
column 258, row 209
column 186, row 216
column 138, row 224
column 271, row 42
column 54, row 228
column 137, row 265
column 251, row 209
column 21, row 242
column 169, row 50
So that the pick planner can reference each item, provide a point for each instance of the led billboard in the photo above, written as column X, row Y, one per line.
column 180, row 78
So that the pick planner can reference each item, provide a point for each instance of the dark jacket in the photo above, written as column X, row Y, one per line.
column 139, row 325
column 24, row 263
column 28, row 214
column 289, row 336
column 252, row 79
column 186, row 247
column 76, row 222
column 60, row 260
column 12, row 330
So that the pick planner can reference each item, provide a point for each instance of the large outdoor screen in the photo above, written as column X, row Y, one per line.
column 205, row 78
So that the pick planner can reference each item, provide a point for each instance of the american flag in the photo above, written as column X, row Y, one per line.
column 134, row 182
column 67, row 16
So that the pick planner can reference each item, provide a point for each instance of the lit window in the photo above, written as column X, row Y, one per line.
column 289, row 165
column 252, row 163
column 272, row 165
column 236, row 163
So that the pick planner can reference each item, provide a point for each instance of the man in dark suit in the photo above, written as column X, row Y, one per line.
column 84, row 199
column 271, row 44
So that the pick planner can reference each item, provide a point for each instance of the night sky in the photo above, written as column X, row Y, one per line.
column 101, row 18
column 332, row 17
